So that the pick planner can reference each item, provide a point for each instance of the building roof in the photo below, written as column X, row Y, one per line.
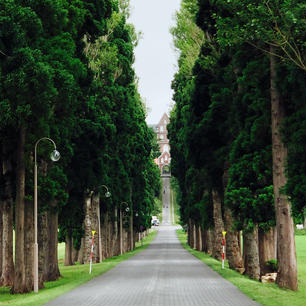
column 165, row 116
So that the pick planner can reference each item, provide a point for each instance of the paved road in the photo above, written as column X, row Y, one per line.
column 166, row 201
column 164, row 274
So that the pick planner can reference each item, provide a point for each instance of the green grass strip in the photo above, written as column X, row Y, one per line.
column 72, row 277
column 174, row 208
column 171, row 207
column 265, row 294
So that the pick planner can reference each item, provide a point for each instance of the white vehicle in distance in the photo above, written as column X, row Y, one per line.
column 155, row 221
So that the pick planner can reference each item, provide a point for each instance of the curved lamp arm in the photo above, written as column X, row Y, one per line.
column 127, row 209
column 107, row 193
column 55, row 155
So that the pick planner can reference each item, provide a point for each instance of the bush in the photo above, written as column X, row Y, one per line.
column 300, row 232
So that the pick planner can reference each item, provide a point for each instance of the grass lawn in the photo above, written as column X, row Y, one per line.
column 265, row 294
column 72, row 276
column 174, row 207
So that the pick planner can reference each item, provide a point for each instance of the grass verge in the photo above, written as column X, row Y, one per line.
column 174, row 207
column 265, row 294
column 72, row 276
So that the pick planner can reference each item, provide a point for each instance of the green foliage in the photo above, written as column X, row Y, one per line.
column 264, row 23
column 300, row 232
column 188, row 38
column 294, row 132
column 220, row 126
column 182, row 85
column 66, row 73
column 157, row 209
column 272, row 265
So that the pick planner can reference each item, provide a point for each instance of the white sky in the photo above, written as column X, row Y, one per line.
column 156, row 60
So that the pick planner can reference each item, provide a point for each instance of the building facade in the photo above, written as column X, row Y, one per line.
column 163, row 161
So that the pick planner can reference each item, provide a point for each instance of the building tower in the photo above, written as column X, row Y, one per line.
column 163, row 161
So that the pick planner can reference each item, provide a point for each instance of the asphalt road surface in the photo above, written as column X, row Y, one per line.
column 164, row 274
column 166, row 201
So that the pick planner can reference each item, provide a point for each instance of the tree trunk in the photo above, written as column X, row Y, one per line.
column 105, row 233
column 267, row 248
column 218, row 226
column 199, row 239
column 1, row 238
column 47, row 245
column 286, row 254
column 116, row 246
column 136, row 237
column 52, row 272
column 131, row 218
column 233, row 249
column 210, row 239
column 96, row 200
column 116, row 221
column 1, row 206
column 250, row 254
column 131, row 231
column 207, row 238
column 233, row 252
column 90, row 224
column 47, row 239
column 29, row 245
column 121, row 232
column 19, row 277
column 81, row 252
column 239, row 234
column 194, row 234
column 6, row 229
column 204, row 240
column 68, row 251
column 43, row 249
column 87, row 228
column 128, row 240
column 190, row 233
column 75, row 253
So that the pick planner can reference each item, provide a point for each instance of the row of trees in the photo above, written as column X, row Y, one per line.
column 237, row 130
column 66, row 73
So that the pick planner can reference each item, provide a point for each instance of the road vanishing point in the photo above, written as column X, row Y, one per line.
column 164, row 274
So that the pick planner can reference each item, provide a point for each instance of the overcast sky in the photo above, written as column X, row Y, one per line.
column 156, row 59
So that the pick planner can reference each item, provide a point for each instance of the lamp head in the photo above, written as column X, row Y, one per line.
column 55, row 155
column 108, row 194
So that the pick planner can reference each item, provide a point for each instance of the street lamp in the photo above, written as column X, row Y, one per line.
column 54, row 156
column 107, row 195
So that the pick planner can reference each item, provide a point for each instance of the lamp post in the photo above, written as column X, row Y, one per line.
column 55, row 156
column 107, row 194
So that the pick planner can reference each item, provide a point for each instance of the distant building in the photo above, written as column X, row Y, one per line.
column 163, row 161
